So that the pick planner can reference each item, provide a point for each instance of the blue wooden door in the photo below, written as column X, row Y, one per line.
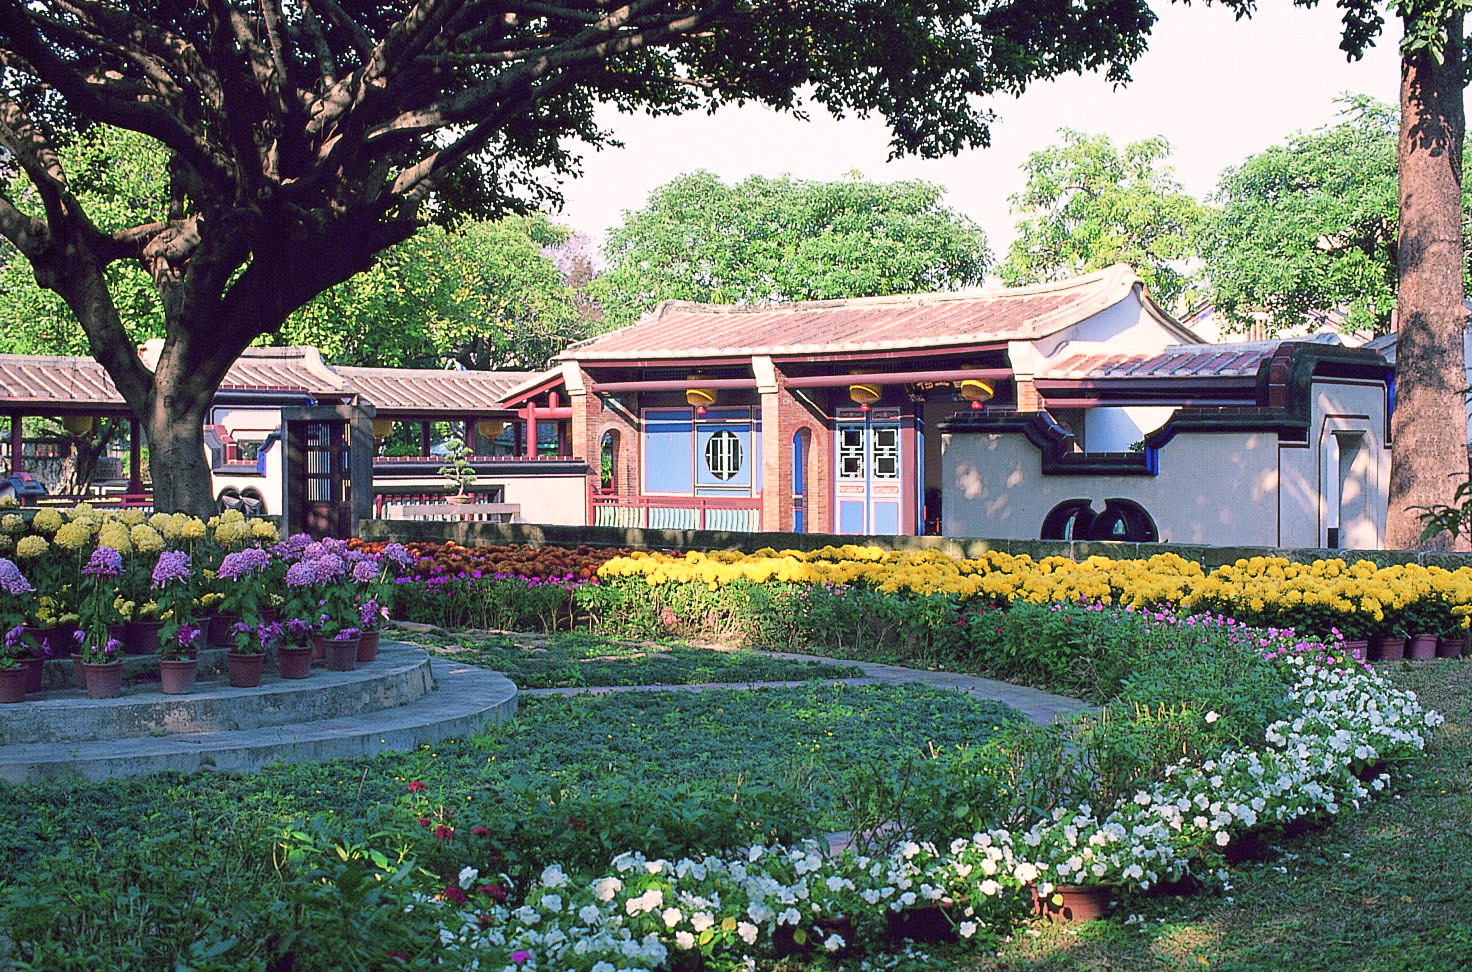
column 869, row 480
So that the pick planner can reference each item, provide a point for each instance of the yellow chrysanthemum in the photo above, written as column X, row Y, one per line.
column 31, row 546
column 13, row 523
column 193, row 528
column 264, row 530
column 115, row 535
column 132, row 517
column 146, row 539
column 47, row 521
column 160, row 522
column 228, row 533
column 73, row 536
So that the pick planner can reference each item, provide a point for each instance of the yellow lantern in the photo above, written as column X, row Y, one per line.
column 382, row 428
column 490, row 428
column 700, row 398
column 865, row 395
column 978, row 393
column 77, row 425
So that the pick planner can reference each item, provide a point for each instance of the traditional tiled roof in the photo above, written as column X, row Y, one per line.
column 430, row 389
column 52, row 379
column 58, row 381
column 679, row 329
column 1182, row 361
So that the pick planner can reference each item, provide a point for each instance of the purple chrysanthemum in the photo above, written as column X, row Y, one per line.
column 297, row 629
column 173, row 565
column 292, row 547
column 187, row 634
column 268, row 633
column 395, row 553
column 12, row 580
column 15, row 637
column 328, row 567
column 365, row 572
column 105, row 562
column 243, row 563
column 369, row 613
column 301, row 574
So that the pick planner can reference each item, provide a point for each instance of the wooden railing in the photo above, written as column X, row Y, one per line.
column 740, row 514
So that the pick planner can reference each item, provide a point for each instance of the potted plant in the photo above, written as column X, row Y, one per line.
column 341, row 649
column 16, row 598
column 102, row 664
column 178, row 661
column 458, row 472
column 13, row 675
column 247, row 659
column 171, row 585
column 294, row 654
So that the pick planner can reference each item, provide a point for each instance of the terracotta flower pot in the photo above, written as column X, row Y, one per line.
column 1076, row 903
column 245, row 669
column 178, row 675
column 103, row 681
column 1358, row 649
column 217, row 632
column 1422, row 647
column 294, row 661
column 342, row 654
column 367, row 647
column 142, row 637
column 79, row 675
column 1391, row 649
column 53, row 642
column 1451, row 647
column 33, row 670
column 12, row 685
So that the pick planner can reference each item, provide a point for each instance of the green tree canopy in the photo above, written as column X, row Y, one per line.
column 117, row 175
column 484, row 295
column 305, row 138
column 776, row 240
column 1311, row 226
column 1087, row 205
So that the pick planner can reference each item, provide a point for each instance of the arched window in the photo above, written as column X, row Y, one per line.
column 802, row 450
column 1124, row 519
column 1069, row 520
column 608, row 450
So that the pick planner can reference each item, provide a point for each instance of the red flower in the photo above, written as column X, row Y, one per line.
column 485, row 920
column 443, row 833
column 416, row 787
column 577, row 824
column 493, row 891
column 481, row 831
column 455, row 893
column 398, row 955
column 424, row 821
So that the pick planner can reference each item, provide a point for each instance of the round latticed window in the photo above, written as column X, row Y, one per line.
column 723, row 454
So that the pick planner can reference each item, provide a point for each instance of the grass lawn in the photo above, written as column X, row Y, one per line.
column 1384, row 889
column 576, row 659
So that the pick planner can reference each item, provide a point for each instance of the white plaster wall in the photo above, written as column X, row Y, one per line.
column 1310, row 474
column 1121, row 328
column 1113, row 429
column 559, row 500
column 1218, row 488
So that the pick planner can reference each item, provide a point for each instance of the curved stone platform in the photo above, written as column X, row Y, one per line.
column 402, row 700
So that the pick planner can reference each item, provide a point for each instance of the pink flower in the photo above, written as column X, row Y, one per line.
column 520, row 957
column 453, row 892
column 416, row 787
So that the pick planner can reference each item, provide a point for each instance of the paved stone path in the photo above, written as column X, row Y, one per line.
column 1037, row 705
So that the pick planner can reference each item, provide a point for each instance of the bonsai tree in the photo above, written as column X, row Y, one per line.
column 459, row 474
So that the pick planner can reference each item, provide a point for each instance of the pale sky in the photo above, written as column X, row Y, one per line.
column 1218, row 89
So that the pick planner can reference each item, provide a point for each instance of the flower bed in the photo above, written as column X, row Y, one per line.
column 98, row 574
column 728, row 909
column 1359, row 599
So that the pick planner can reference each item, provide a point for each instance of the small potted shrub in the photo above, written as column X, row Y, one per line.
column 458, row 472
column 102, row 664
column 13, row 675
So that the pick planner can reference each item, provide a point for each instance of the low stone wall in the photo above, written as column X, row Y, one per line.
column 472, row 534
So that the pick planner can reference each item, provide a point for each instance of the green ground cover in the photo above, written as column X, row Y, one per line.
column 1384, row 889
column 90, row 868
column 566, row 660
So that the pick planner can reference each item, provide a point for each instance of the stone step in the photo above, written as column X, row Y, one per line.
column 399, row 675
column 464, row 699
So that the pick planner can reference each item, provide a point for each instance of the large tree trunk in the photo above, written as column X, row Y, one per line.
column 176, row 456
column 1429, row 455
